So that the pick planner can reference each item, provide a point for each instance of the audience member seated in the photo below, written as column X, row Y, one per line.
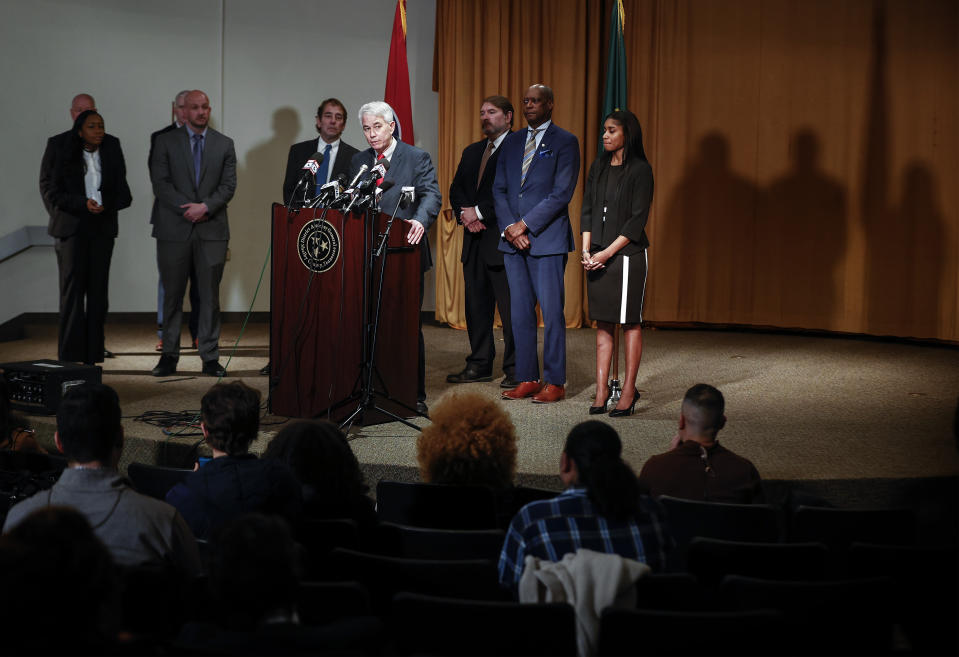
column 697, row 467
column 319, row 456
column 254, row 579
column 61, row 589
column 602, row 509
column 234, row 482
column 15, row 431
column 470, row 441
column 136, row 529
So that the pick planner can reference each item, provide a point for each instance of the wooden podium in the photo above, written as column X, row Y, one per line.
column 317, row 315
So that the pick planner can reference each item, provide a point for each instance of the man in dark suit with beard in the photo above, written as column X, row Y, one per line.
column 409, row 167
column 471, row 195
column 337, row 154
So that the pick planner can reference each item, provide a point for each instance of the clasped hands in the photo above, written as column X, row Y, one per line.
column 471, row 220
column 592, row 262
column 196, row 212
column 516, row 235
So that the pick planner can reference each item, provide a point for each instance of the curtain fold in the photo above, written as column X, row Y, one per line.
column 805, row 153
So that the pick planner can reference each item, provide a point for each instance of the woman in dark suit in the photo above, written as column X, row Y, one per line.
column 89, row 188
column 619, row 191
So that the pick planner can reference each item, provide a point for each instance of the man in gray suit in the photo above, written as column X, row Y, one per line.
column 193, row 170
column 410, row 167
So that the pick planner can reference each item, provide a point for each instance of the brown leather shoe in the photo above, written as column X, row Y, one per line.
column 549, row 394
column 525, row 389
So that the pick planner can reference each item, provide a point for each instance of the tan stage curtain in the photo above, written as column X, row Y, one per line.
column 806, row 154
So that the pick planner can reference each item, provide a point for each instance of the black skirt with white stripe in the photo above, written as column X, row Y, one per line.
column 616, row 292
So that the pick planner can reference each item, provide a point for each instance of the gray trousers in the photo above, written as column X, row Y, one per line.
column 174, row 260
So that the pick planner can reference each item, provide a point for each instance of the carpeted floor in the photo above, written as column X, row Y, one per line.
column 857, row 421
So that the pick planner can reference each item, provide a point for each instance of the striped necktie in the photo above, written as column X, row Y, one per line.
column 528, row 153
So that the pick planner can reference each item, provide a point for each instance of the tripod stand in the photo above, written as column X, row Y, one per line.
column 365, row 389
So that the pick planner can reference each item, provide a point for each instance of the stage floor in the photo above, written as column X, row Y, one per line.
column 802, row 408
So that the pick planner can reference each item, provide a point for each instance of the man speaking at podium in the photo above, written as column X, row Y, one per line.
column 408, row 167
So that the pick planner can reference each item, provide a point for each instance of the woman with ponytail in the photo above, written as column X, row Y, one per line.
column 602, row 509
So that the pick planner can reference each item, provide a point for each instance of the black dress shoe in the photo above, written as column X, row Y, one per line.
column 166, row 366
column 108, row 354
column 468, row 375
column 509, row 381
column 213, row 368
column 421, row 408
column 265, row 371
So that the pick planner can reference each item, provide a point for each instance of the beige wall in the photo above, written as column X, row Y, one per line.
column 264, row 65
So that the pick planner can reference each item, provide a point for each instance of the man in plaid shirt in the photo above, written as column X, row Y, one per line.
column 602, row 509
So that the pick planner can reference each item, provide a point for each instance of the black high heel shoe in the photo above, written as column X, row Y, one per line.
column 599, row 410
column 623, row 412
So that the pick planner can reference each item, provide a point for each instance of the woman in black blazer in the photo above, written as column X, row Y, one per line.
column 619, row 191
column 89, row 188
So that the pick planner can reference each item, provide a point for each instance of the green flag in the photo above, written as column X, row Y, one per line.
column 615, row 97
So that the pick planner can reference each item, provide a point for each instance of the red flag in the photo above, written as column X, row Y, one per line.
column 398, row 77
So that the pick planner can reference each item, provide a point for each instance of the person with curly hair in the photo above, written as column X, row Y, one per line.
column 471, row 441
column 234, row 482
column 319, row 456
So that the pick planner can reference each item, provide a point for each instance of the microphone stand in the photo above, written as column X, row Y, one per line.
column 368, row 392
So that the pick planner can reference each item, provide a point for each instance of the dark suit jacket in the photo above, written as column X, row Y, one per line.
column 55, row 145
column 171, row 170
column 153, row 141
column 542, row 200
column 628, row 208
column 410, row 167
column 465, row 194
column 301, row 152
column 68, row 197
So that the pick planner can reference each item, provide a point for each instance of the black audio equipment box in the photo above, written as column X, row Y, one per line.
column 36, row 386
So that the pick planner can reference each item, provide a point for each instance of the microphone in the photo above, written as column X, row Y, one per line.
column 310, row 168
column 351, row 189
column 358, row 175
column 331, row 190
column 377, row 172
column 373, row 198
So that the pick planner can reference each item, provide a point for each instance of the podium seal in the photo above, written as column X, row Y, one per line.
column 318, row 245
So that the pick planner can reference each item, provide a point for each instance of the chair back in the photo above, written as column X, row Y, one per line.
column 425, row 543
column 926, row 594
column 385, row 576
column 427, row 625
column 839, row 528
column 711, row 559
column 836, row 617
column 318, row 603
column 664, row 632
column 673, row 591
column 687, row 519
column 155, row 480
column 319, row 537
column 435, row 505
